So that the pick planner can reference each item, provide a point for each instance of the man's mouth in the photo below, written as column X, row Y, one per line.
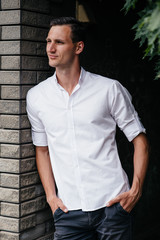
column 53, row 56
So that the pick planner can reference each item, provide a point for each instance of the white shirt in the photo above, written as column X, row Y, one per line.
column 79, row 131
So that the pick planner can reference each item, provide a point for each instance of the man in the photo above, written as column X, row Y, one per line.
column 74, row 115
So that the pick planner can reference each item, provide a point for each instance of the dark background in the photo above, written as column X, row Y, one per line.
column 111, row 51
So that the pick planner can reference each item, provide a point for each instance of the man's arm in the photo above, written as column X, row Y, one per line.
column 47, row 178
column 141, row 158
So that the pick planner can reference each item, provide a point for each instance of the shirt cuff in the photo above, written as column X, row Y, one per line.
column 39, row 138
column 133, row 129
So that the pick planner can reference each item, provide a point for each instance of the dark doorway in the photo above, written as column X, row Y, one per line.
column 111, row 51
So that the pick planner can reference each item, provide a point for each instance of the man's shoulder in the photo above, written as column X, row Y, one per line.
column 101, row 80
column 40, row 88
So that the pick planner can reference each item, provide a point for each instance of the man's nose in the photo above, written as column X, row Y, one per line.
column 52, row 47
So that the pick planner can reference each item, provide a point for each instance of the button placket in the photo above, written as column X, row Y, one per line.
column 71, row 123
column 69, row 101
column 74, row 148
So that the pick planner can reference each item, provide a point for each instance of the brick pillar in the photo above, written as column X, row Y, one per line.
column 24, row 213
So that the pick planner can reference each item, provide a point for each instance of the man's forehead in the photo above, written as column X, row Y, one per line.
column 60, row 30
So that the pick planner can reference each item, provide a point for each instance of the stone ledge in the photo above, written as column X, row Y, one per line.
column 28, row 33
column 33, row 206
column 19, row 180
column 33, row 5
column 30, row 178
column 10, row 62
column 44, row 216
column 9, row 136
column 28, row 193
column 35, row 19
column 24, row 77
column 17, row 165
column 9, row 47
column 25, row 48
column 38, row 232
column 10, row 32
column 29, row 207
column 14, row 122
column 10, row 210
column 10, row 17
column 27, row 222
column 21, row 195
column 41, row 76
column 27, row 165
column 9, row 165
column 9, row 77
column 10, row 180
column 17, row 151
column 49, row 236
column 14, row 92
column 9, row 236
column 9, row 195
column 27, row 63
column 12, row 107
column 35, row 63
column 24, row 17
column 9, row 224
column 33, row 48
column 17, row 225
column 15, row 136
column 33, row 33
column 9, row 4
column 33, row 233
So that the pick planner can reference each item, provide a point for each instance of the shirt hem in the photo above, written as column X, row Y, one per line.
column 87, row 210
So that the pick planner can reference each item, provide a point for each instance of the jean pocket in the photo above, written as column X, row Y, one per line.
column 57, row 214
column 121, row 209
column 57, row 211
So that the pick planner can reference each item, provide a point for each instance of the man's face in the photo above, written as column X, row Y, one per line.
column 60, row 49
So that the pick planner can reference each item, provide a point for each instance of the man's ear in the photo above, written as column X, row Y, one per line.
column 79, row 47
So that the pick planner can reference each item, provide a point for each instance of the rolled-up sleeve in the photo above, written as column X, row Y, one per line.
column 124, row 113
column 39, row 136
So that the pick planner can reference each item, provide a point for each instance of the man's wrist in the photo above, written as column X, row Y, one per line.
column 136, row 189
column 51, row 198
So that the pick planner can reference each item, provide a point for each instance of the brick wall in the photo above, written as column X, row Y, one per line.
column 24, row 213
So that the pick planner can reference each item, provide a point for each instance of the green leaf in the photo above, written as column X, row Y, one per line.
column 147, row 29
column 128, row 5
column 154, row 19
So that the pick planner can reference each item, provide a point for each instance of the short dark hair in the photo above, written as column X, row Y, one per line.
column 77, row 28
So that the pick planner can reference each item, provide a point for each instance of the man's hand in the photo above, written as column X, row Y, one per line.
column 56, row 203
column 47, row 179
column 127, row 200
column 141, row 157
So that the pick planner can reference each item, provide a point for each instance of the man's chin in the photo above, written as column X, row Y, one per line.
column 51, row 64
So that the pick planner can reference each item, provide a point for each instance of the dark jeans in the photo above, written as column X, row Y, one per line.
column 109, row 223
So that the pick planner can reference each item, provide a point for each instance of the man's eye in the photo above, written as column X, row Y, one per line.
column 60, row 42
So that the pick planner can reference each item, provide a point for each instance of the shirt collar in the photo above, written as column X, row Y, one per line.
column 80, row 81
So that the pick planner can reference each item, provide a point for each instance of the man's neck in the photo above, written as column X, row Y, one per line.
column 68, row 78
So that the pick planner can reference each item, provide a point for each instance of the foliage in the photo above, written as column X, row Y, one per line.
column 129, row 4
column 148, row 29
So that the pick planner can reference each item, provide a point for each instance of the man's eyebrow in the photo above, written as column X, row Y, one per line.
column 59, row 40
column 56, row 40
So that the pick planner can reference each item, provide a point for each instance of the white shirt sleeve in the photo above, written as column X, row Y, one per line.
column 39, row 136
column 123, row 112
